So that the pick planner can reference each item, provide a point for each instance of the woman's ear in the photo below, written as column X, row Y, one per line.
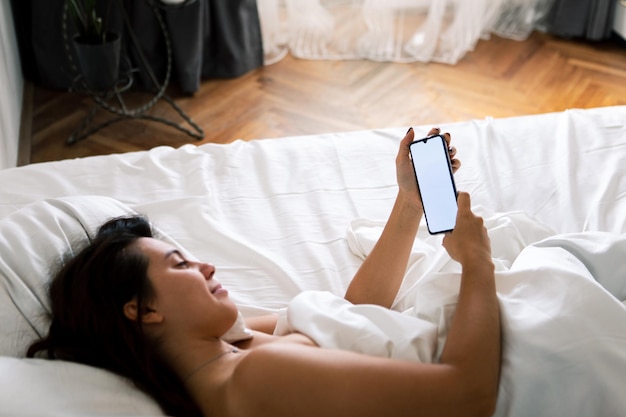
column 149, row 315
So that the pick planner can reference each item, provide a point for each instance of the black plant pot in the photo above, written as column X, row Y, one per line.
column 99, row 62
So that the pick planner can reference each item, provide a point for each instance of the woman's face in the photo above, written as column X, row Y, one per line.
column 186, row 295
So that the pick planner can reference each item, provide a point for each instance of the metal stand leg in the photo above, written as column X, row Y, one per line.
column 122, row 112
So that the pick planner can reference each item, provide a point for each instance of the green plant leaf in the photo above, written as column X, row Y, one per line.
column 90, row 5
column 86, row 20
column 78, row 16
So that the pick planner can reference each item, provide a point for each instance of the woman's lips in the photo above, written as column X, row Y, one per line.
column 218, row 289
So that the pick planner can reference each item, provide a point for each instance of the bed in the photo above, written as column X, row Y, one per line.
column 283, row 216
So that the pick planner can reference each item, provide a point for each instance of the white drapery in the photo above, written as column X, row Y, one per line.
column 392, row 30
column 12, row 83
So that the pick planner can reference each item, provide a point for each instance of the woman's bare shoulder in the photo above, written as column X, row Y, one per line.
column 264, row 378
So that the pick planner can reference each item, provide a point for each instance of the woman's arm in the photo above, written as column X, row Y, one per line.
column 264, row 324
column 285, row 379
column 475, row 326
column 378, row 279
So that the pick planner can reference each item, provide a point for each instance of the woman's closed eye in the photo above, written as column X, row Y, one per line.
column 183, row 264
column 177, row 259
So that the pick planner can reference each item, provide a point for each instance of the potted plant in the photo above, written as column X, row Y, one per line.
column 97, row 49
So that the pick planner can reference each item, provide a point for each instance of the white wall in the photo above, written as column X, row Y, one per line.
column 11, row 89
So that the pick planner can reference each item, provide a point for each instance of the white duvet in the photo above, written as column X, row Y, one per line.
column 563, row 324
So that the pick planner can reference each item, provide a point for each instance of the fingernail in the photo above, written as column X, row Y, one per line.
column 407, row 132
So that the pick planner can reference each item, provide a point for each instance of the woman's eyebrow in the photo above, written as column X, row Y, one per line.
column 172, row 252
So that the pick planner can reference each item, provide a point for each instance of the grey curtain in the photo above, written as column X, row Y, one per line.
column 589, row 19
column 209, row 39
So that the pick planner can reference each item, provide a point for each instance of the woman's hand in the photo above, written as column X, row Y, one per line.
column 404, row 168
column 469, row 241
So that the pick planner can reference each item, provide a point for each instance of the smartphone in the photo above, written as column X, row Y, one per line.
column 437, row 189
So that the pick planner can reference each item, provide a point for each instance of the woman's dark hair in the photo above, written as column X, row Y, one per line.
column 88, row 324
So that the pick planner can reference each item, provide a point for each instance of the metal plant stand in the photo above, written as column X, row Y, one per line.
column 113, row 99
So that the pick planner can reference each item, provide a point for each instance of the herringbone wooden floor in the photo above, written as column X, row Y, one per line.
column 500, row 78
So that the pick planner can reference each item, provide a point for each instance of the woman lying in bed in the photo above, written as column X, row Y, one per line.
column 136, row 306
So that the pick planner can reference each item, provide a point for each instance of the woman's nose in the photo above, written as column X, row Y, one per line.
column 207, row 270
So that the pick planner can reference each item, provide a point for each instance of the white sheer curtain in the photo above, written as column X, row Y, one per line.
column 11, row 93
column 392, row 30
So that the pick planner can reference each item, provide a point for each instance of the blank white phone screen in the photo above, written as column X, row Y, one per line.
column 436, row 183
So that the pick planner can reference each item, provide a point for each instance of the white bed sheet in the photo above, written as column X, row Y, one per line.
column 271, row 202
column 273, row 214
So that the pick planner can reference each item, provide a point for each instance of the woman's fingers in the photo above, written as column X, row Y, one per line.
column 403, row 151
column 464, row 203
column 410, row 136
column 456, row 164
column 434, row 131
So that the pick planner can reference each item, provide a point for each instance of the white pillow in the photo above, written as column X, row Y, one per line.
column 39, row 387
column 31, row 240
